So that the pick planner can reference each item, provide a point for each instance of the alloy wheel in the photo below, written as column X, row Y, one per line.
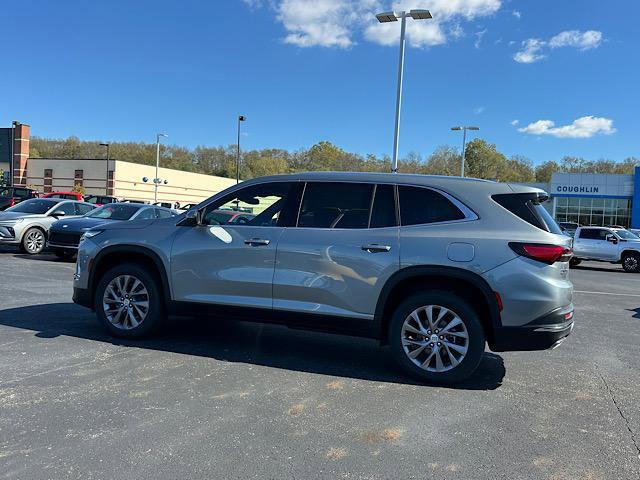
column 125, row 302
column 435, row 338
column 34, row 242
column 631, row 263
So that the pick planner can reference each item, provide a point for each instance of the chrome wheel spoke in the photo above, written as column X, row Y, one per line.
column 430, row 347
column 126, row 302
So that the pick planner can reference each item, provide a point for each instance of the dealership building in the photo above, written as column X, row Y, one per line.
column 595, row 198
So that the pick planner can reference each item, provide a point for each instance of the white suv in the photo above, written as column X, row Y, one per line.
column 614, row 245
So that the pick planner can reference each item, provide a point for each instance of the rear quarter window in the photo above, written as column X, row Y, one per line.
column 528, row 207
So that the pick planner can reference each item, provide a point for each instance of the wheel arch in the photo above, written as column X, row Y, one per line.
column 469, row 285
column 111, row 256
column 39, row 226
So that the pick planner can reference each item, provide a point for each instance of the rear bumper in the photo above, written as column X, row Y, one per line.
column 82, row 296
column 544, row 333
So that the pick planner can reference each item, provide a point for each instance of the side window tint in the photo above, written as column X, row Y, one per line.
column 383, row 213
column 68, row 208
column 146, row 214
column 82, row 209
column 336, row 205
column 421, row 205
column 163, row 213
column 266, row 205
column 589, row 234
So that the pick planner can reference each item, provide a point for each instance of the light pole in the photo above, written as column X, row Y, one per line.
column 241, row 118
column 106, row 185
column 14, row 124
column 387, row 17
column 157, row 179
column 464, row 144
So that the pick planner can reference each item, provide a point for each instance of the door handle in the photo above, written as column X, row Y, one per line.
column 374, row 248
column 255, row 242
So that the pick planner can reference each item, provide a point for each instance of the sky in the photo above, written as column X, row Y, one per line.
column 542, row 78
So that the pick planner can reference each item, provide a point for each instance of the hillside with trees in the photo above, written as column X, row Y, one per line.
column 483, row 160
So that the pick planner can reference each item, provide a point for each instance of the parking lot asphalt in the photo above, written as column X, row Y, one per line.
column 211, row 399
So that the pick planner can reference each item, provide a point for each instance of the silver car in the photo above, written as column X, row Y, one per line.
column 435, row 267
column 27, row 223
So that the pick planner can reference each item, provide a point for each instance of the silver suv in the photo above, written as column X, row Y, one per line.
column 435, row 267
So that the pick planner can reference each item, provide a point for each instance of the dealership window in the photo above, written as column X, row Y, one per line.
column 77, row 177
column 48, row 179
column 595, row 211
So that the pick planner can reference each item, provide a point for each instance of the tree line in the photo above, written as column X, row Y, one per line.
column 482, row 160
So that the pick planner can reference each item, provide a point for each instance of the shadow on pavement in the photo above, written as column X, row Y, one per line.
column 268, row 345
column 612, row 269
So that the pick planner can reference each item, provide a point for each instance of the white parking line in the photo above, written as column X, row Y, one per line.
column 608, row 293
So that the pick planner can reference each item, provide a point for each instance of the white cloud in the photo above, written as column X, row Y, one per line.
column 479, row 34
column 515, row 13
column 479, row 110
column 584, row 127
column 336, row 23
column 580, row 40
column 514, row 122
column 533, row 49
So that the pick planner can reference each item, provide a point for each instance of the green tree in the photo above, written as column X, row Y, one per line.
column 544, row 171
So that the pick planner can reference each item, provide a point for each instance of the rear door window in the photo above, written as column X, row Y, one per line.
column 67, row 207
column 336, row 205
column 420, row 206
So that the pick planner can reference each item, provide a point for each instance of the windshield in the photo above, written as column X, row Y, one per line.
column 114, row 212
column 626, row 235
column 34, row 206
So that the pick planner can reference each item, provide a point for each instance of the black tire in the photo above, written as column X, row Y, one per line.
column 33, row 241
column 631, row 262
column 63, row 254
column 458, row 306
column 155, row 315
column 574, row 262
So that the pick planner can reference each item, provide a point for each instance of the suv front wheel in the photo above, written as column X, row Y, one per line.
column 437, row 337
column 128, row 301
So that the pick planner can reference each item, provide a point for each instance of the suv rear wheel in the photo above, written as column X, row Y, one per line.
column 128, row 302
column 631, row 262
column 437, row 337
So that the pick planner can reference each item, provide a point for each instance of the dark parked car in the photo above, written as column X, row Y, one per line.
column 64, row 236
column 100, row 200
column 10, row 196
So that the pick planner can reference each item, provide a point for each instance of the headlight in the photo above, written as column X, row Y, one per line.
column 90, row 234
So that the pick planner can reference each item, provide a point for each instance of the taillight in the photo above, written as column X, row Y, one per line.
column 542, row 252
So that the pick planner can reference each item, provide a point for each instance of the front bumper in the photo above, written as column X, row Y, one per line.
column 82, row 296
column 544, row 333
column 62, row 246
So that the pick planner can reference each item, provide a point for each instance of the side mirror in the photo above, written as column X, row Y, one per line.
column 58, row 213
column 200, row 216
column 612, row 239
column 192, row 218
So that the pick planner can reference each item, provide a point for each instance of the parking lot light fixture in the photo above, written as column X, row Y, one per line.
column 157, row 179
column 387, row 17
column 106, row 185
column 464, row 144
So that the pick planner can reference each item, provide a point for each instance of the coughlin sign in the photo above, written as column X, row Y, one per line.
column 591, row 185
column 577, row 189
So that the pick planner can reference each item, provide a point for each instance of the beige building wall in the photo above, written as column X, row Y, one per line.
column 65, row 173
column 183, row 187
column 126, row 179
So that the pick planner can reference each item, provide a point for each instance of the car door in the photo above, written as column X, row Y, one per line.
column 232, row 264
column 341, row 252
column 585, row 243
column 83, row 208
column 609, row 248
